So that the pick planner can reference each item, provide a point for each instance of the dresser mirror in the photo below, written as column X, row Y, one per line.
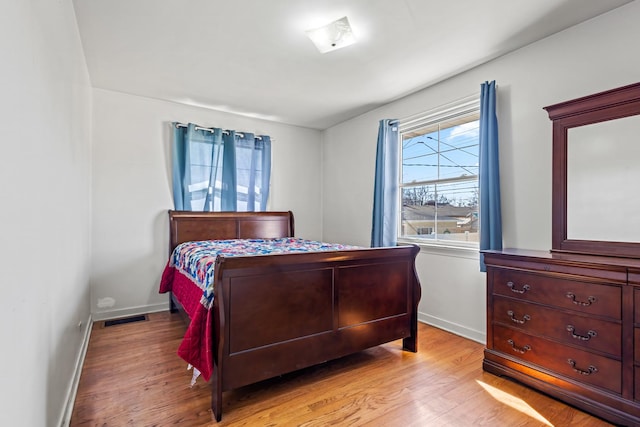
column 596, row 171
column 603, row 172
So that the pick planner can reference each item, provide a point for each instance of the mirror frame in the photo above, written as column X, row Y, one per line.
column 610, row 105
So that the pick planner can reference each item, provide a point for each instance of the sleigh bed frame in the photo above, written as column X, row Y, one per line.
column 352, row 300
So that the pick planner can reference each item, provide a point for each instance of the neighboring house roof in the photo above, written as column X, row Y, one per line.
column 428, row 213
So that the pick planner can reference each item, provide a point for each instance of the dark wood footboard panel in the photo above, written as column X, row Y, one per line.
column 287, row 312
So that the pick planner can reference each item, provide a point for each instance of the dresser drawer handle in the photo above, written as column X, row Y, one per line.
column 591, row 370
column 524, row 289
column 522, row 321
column 521, row 350
column 589, row 301
column 590, row 334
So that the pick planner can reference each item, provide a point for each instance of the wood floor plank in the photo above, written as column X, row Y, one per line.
column 132, row 376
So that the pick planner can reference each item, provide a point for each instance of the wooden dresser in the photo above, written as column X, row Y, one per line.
column 567, row 325
column 567, row 321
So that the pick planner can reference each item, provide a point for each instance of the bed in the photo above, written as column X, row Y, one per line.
column 274, row 314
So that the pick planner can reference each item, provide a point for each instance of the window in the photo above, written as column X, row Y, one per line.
column 250, row 173
column 439, row 175
column 205, row 168
column 220, row 170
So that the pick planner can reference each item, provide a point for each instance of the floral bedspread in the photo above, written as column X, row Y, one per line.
column 189, row 274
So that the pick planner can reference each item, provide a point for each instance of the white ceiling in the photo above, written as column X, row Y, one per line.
column 252, row 57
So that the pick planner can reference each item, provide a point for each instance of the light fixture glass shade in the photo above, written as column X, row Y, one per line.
column 332, row 36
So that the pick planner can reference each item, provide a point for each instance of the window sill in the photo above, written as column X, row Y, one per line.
column 445, row 250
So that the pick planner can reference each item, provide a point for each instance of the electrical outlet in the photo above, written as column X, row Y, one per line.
column 106, row 302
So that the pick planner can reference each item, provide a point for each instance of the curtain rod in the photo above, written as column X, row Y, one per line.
column 226, row 132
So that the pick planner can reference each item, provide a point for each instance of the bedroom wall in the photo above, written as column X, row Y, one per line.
column 45, row 173
column 131, row 190
column 588, row 58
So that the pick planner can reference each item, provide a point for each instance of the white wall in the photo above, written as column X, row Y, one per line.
column 594, row 56
column 132, row 191
column 45, row 175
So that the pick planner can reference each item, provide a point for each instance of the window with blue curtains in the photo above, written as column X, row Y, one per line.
column 385, row 193
column 385, row 199
column 489, row 174
column 220, row 170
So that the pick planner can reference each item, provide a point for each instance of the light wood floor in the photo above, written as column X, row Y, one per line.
column 132, row 376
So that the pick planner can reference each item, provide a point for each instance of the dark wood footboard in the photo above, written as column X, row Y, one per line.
column 275, row 314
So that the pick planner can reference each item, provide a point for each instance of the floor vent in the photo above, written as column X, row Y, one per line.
column 124, row 320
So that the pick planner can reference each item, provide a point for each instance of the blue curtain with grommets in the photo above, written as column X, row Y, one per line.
column 489, row 175
column 385, row 193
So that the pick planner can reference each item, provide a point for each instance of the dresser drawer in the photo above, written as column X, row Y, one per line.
column 590, row 333
column 571, row 362
column 587, row 298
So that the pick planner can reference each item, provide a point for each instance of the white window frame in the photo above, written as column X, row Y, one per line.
column 463, row 107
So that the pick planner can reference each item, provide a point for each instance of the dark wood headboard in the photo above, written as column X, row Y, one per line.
column 186, row 226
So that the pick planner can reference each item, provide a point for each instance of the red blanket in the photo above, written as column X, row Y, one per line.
column 197, row 344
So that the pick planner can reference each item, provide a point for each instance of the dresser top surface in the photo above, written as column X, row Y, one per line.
column 565, row 258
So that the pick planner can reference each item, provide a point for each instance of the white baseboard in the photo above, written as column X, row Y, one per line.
column 131, row 311
column 454, row 328
column 65, row 416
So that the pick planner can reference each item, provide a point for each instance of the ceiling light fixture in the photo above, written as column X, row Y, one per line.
column 332, row 36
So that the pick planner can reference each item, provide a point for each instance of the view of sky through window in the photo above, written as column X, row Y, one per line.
column 443, row 154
